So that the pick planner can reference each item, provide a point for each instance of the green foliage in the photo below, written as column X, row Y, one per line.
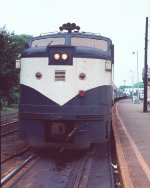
column 8, row 73
column 140, row 85
column 9, row 109
column 11, row 47
column 22, row 42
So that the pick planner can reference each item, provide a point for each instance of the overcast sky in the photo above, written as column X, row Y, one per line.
column 121, row 20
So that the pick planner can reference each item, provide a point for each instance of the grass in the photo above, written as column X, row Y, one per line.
column 9, row 109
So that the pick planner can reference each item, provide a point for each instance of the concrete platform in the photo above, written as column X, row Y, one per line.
column 132, row 135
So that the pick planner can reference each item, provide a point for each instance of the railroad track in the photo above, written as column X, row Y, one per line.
column 9, row 118
column 82, row 171
column 77, row 178
column 9, row 128
column 11, row 177
column 9, row 124
column 91, row 169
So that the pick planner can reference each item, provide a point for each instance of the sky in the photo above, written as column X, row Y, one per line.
column 123, row 21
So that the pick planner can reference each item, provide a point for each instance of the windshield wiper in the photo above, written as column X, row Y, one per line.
column 50, row 43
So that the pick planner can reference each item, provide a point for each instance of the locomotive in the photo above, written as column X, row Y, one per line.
column 66, row 89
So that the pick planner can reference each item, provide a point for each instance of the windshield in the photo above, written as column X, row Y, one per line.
column 48, row 41
column 92, row 43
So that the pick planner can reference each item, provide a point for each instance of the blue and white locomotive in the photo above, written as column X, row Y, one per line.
column 66, row 89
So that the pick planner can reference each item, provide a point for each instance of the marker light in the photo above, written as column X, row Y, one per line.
column 38, row 75
column 82, row 76
column 64, row 56
column 56, row 56
column 81, row 93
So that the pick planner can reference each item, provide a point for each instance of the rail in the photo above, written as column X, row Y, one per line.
column 8, row 118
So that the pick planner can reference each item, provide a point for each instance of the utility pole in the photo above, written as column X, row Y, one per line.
column 132, row 83
column 145, row 67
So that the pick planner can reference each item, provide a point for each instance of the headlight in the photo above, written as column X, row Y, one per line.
column 56, row 56
column 64, row 57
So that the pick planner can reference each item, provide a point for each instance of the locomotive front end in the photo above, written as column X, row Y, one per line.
column 66, row 90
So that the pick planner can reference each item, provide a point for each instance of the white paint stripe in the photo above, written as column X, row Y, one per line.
column 61, row 90
column 135, row 148
column 126, row 178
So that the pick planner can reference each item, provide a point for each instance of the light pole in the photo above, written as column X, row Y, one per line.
column 136, row 52
column 132, row 81
column 124, row 81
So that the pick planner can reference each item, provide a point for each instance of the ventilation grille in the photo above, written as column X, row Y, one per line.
column 60, row 75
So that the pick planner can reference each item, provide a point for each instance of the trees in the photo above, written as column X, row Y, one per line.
column 10, row 47
column 21, row 42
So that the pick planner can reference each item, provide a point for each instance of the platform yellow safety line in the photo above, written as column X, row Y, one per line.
column 140, row 158
column 126, row 179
